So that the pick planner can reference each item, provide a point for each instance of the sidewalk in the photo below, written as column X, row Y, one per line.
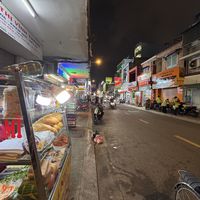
column 184, row 118
column 83, row 183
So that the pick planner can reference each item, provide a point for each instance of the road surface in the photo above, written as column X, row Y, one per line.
column 142, row 152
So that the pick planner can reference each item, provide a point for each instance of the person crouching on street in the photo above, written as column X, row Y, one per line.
column 165, row 105
column 158, row 102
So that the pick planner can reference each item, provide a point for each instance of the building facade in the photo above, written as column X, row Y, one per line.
column 167, row 73
column 191, row 58
column 123, row 73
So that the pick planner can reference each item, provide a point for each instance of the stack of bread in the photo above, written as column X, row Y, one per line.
column 11, row 103
column 52, row 122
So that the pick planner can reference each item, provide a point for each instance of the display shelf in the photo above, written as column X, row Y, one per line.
column 26, row 159
column 28, row 88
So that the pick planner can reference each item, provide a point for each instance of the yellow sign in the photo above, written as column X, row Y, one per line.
column 109, row 80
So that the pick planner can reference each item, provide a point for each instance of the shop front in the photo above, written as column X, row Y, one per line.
column 132, row 88
column 191, row 90
column 168, row 84
column 144, row 83
column 124, row 92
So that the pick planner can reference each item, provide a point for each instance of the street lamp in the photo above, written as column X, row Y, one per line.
column 98, row 61
column 93, row 81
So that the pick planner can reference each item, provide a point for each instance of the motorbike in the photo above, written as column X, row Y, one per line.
column 192, row 110
column 112, row 104
column 98, row 113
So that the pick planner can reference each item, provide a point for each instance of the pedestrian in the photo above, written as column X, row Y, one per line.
column 176, row 106
column 158, row 102
column 165, row 105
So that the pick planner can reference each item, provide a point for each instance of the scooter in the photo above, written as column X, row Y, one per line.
column 112, row 103
column 98, row 113
column 192, row 111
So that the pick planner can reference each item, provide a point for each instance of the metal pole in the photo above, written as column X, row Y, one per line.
column 30, row 137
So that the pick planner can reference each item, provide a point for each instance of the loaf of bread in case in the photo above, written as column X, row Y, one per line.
column 60, row 124
column 49, row 120
column 43, row 127
column 57, row 116
column 56, row 127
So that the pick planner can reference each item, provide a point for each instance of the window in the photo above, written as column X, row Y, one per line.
column 172, row 60
column 158, row 65
column 132, row 77
column 146, row 69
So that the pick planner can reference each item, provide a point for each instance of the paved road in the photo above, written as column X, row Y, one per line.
column 142, row 153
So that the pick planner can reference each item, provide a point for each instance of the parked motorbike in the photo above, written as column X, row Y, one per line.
column 192, row 110
column 121, row 101
column 98, row 113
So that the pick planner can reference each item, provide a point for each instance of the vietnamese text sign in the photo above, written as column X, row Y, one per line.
column 12, row 27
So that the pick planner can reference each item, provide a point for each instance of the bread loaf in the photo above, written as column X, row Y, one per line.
column 43, row 127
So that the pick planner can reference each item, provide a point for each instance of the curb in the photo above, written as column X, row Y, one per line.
column 89, row 188
column 167, row 115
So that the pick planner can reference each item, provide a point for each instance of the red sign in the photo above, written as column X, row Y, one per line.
column 10, row 129
column 118, row 81
column 144, row 83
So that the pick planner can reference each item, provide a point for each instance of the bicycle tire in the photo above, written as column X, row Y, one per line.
column 184, row 192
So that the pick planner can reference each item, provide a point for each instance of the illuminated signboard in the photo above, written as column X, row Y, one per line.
column 138, row 51
column 73, row 70
column 109, row 80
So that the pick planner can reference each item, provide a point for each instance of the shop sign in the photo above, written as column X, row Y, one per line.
column 132, row 84
column 164, row 83
column 11, row 129
column 144, row 79
column 118, row 81
column 144, row 88
column 108, row 80
column 168, row 73
column 145, row 76
column 12, row 27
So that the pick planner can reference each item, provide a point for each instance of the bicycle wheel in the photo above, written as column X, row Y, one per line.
column 183, row 192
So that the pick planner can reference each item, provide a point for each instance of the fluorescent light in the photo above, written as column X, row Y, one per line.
column 30, row 8
column 56, row 78
column 44, row 101
column 63, row 97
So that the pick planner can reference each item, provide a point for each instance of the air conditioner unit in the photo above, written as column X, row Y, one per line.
column 194, row 63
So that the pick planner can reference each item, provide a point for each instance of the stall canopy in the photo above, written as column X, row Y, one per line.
column 60, row 25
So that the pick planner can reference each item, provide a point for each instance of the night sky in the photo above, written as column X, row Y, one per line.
column 118, row 25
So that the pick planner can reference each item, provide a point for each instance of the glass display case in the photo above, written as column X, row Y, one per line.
column 35, row 145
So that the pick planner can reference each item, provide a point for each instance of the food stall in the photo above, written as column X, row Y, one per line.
column 35, row 145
